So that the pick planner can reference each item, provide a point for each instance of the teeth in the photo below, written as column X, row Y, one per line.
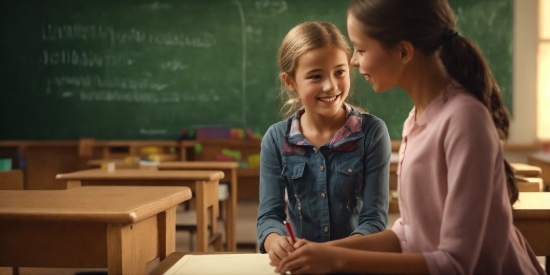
column 328, row 99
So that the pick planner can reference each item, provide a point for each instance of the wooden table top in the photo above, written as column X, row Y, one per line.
column 110, row 204
column 137, row 174
column 527, row 170
column 540, row 156
column 532, row 205
column 198, row 165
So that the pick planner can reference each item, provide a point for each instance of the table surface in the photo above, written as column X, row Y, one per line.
column 524, row 169
column 109, row 204
column 541, row 156
column 199, row 164
column 101, row 174
column 232, row 262
column 532, row 205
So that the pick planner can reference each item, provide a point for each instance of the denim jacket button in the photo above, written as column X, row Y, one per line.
column 323, row 195
column 292, row 177
column 350, row 170
column 325, row 229
column 315, row 150
column 322, row 168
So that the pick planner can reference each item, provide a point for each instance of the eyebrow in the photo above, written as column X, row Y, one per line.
column 317, row 70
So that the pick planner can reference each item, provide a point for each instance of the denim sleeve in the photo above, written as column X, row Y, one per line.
column 374, row 214
column 271, row 212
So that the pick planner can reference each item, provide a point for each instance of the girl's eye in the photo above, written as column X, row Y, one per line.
column 340, row 72
column 314, row 76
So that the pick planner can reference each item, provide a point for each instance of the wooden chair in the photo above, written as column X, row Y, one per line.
column 186, row 217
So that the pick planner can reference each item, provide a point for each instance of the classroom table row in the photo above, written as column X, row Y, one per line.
column 229, row 169
column 45, row 214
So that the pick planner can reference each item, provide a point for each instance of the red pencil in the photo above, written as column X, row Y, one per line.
column 290, row 232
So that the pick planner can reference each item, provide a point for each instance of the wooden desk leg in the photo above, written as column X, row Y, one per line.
column 73, row 184
column 231, row 214
column 207, row 196
column 131, row 246
column 167, row 232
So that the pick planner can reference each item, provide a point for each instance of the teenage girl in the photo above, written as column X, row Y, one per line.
column 455, row 189
column 329, row 157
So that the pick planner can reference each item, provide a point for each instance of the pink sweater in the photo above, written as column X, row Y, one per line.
column 452, row 192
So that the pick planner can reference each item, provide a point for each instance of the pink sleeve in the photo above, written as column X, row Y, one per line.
column 472, row 156
column 399, row 231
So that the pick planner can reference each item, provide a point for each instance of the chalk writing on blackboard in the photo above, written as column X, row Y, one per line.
column 80, row 32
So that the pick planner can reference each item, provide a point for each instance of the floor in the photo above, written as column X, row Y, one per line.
column 246, row 239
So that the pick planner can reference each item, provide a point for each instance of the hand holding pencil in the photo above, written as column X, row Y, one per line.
column 280, row 246
column 290, row 231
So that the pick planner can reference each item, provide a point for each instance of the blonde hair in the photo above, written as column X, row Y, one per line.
column 299, row 40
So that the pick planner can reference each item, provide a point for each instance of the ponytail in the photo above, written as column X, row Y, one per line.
column 465, row 63
column 429, row 25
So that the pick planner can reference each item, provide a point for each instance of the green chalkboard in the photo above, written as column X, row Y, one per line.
column 112, row 69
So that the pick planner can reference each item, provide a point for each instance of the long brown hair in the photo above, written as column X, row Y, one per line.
column 429, row 25
column 299, row 40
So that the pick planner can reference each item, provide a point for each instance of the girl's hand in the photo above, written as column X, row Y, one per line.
column 281, row 248
column 308, row 258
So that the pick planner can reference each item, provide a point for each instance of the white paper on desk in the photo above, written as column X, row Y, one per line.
column 246, row 263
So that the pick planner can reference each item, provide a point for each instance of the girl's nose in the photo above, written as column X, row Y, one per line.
column 330, row 84
column 353, row 60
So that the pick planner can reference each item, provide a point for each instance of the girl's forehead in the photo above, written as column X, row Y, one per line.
column 323, row 55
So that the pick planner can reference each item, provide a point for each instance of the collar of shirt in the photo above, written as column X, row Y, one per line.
column 433, row 109
column 350, row 131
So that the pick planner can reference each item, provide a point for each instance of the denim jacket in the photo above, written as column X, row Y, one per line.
column 334, row 191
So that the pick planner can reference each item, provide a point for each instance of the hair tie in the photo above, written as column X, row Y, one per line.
column 449, row 36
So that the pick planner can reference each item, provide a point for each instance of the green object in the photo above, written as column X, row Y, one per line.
column 119, row 70
column 235, row 154
column 198, row 148
column 5, row 164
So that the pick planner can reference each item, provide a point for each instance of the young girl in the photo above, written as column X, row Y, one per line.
column 332, row 159
column 455, row 189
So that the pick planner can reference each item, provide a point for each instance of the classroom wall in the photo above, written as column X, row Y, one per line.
column 523, row 128
column 523, row 125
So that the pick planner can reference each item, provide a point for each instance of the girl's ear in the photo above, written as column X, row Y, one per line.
column 289, row 81
column 406, row 51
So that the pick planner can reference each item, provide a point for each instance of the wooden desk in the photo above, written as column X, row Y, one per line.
column 532, row 218
column 229, row 169
column 12, row 180
column 204, row 183
column 543, row 161
column 119, row 228
column 526, row 170
column 249, row 178
column 232, row 263
column 119, row 163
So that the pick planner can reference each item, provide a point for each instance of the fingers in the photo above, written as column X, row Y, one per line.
column 290, row 263
column 279, row 250
column 299, row 243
